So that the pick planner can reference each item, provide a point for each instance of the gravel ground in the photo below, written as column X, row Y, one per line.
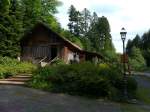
column 23, row 99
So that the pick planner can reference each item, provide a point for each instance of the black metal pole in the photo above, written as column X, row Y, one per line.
column 124, row 72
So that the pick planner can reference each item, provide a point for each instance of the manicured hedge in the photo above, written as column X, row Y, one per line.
column 81, row 79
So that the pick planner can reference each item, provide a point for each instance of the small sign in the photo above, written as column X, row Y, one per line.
column 124, row 58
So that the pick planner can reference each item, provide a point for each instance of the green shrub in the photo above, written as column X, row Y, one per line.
column 131, row 87
column 57, row 62
column 81, row 79
column 4, row 75
column 104, row 66
column 9, row 67
column 25, row 67
column 136, row 59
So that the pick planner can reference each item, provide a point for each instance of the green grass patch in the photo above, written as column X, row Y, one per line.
column 145, row 69
column 143, row 94
column 133, row 108
column 9, row 67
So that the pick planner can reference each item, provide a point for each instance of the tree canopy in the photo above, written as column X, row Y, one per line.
column 142, row 43
column 93, row 31
column 18, row 16
column 136, row 60
column 86, row 29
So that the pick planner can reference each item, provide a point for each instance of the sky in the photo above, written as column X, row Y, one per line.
column 133, row 15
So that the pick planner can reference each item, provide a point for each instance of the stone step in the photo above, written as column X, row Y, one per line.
column 25, row 74
column 12, row 83
column 22, row 76
column 16, row 79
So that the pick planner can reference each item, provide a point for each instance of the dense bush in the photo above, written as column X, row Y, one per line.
column 10, row 67
column 82, row 79
column 57, row 62
column 136, row 59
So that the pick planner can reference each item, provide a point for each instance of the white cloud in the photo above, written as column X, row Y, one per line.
column 131, row 14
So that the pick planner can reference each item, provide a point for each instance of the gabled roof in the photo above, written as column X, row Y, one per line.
column 63, row 38
column 67, row 42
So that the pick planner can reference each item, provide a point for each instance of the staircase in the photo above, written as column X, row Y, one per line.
column 16, row 80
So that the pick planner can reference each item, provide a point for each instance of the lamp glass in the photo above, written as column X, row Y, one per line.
column 123, row 34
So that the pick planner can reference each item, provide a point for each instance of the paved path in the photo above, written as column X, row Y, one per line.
column 23, row 99
column 142, row 82
column 142, row 73
column 143, row 79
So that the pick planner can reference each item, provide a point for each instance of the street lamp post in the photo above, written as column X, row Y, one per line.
column 123, row 37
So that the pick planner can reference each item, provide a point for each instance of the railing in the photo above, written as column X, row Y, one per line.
column 42, row 59
column 53, row 59
column 43, row 64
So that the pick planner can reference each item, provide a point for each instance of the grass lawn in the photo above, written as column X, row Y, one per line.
column 143, row 96
column 134, row 108
column 146, row 69
column 143, row 93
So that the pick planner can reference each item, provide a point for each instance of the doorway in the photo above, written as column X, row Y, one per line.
column 53, row 52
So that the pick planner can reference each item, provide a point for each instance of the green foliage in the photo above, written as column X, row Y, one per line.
column 109, row 51
column 146, row 53
column 103, row 26
column 78, row 42
column 19, row 16
column 73, row 25
column 143, row 44
column 4, row 75
column 40, row 79
column 136, row 41
column 86, row 43
column 131, row 43
column 85, row 21
column 136, row 60
column 104, row 66
column 4, row 6
column 40, row 10
column 81, row 79
column 131, row 87
column 10, row 28
column 94, row 31
column 129, row 46
column 146, row 40
column 10, row 66
column 72, row 38
column 143, row 95
column 100, row 37
column 57, row 62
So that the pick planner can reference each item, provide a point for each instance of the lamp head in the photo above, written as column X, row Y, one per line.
column 123, row 33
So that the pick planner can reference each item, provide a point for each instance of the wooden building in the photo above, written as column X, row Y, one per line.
column 42, row 43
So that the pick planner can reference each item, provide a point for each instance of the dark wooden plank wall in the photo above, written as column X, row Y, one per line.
column 36, row 51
